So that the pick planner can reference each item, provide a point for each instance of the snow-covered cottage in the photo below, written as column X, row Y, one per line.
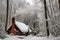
column 18, row 28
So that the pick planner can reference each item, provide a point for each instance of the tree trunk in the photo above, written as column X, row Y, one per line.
column 46, row 18
column 59, row 4
column 7, row 16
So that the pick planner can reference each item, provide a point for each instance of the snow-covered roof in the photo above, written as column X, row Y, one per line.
column 23, row 27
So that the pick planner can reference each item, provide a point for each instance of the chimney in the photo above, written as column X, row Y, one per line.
column 13, row 26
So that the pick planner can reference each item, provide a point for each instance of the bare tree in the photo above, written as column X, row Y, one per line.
column 59, row 4
column 47, row 28
column 7, row 15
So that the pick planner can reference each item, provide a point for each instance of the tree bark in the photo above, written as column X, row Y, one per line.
column 46, row 17
column 7, row 16
column 59, row 4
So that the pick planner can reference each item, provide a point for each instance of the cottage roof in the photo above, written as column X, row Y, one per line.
column 23, row 27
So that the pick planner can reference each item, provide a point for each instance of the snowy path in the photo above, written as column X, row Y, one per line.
column 0, row 39
column 32, row 38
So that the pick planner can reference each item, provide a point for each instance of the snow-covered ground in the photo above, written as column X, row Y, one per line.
column 30, row 37
column 0, row 39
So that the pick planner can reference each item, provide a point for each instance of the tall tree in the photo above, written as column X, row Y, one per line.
column 59, row 4
column 45, row 7
column 7, row 15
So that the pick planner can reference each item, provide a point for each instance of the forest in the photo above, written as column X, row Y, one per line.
column 40, row 18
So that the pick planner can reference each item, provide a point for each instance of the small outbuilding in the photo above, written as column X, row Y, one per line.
column 18, row 28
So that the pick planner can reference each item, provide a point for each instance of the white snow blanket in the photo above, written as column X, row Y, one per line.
column 23, row 27
column 0, row 39
column 32, row 38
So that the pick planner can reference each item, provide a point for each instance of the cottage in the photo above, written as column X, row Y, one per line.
column 18, row 28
